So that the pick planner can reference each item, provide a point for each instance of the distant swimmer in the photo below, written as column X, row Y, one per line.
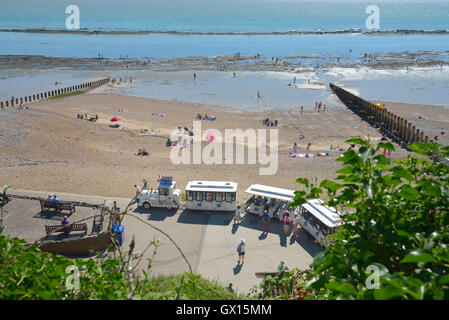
column 194, row 76
column 258, row 94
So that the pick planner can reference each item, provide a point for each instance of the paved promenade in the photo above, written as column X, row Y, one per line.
column 208, row 240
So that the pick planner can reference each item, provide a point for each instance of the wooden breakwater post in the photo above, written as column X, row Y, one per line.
column 395, row 127
column 53, row 93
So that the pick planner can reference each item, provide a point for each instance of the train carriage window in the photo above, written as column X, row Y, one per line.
column 218, row 197
column 209, row 196
column 229, row 197
column 189, row 195
column 199, row 196
column 163, row 191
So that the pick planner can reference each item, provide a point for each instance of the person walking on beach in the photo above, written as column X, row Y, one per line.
column 194, row 76
column 302, row 108
column 266, row 221
column 237, row 216
column 241, row 249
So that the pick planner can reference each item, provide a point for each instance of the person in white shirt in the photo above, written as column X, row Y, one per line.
column 138, row 191
column 295, row 224
column 241, row 249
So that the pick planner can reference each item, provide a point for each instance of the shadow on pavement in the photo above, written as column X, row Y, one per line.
column 238, row 268
column 156, row 214
column 198, row 217
column 305, row 240
column 50, row 215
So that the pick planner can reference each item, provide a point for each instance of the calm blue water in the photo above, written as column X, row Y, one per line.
column 173, row 46
column 225, row 15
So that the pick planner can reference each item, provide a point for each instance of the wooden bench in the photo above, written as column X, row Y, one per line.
column 59, row 207
column 67, row 229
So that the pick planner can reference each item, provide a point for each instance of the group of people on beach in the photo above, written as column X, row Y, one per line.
column 318, row 106
column 142, row 152
column 85, row 117
column 308, row 147
column 205, row 117
column 268, row 123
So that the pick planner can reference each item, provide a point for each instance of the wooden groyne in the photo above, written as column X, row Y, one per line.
column 53, row 93
column 395, row 127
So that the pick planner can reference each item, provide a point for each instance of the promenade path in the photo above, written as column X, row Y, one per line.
column 208, row 240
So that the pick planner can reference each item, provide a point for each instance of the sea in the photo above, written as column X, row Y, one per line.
column 210, row 28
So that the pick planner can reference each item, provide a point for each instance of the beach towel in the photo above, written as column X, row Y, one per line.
column 297, row 155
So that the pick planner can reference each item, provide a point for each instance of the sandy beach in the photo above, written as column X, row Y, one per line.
column 47, row 148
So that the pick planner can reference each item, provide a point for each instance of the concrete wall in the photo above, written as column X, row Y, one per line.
column 78, row 246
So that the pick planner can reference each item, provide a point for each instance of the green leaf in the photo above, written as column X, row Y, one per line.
column 388, row 292
column 386, row 146
column 358, row 141
column 420, row 255
column 400, row 172
column 408, row 192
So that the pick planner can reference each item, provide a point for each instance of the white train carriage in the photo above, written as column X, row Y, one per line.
column 275, row 200
column 211, row 195
column 319, row 220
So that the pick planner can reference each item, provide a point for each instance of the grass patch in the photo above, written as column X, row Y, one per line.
column 187, row 286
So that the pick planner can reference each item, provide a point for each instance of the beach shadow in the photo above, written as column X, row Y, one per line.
column 235, row 227
column 263, row 235
column 237, row 268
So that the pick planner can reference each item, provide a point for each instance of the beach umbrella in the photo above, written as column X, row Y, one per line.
column 113, row 119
